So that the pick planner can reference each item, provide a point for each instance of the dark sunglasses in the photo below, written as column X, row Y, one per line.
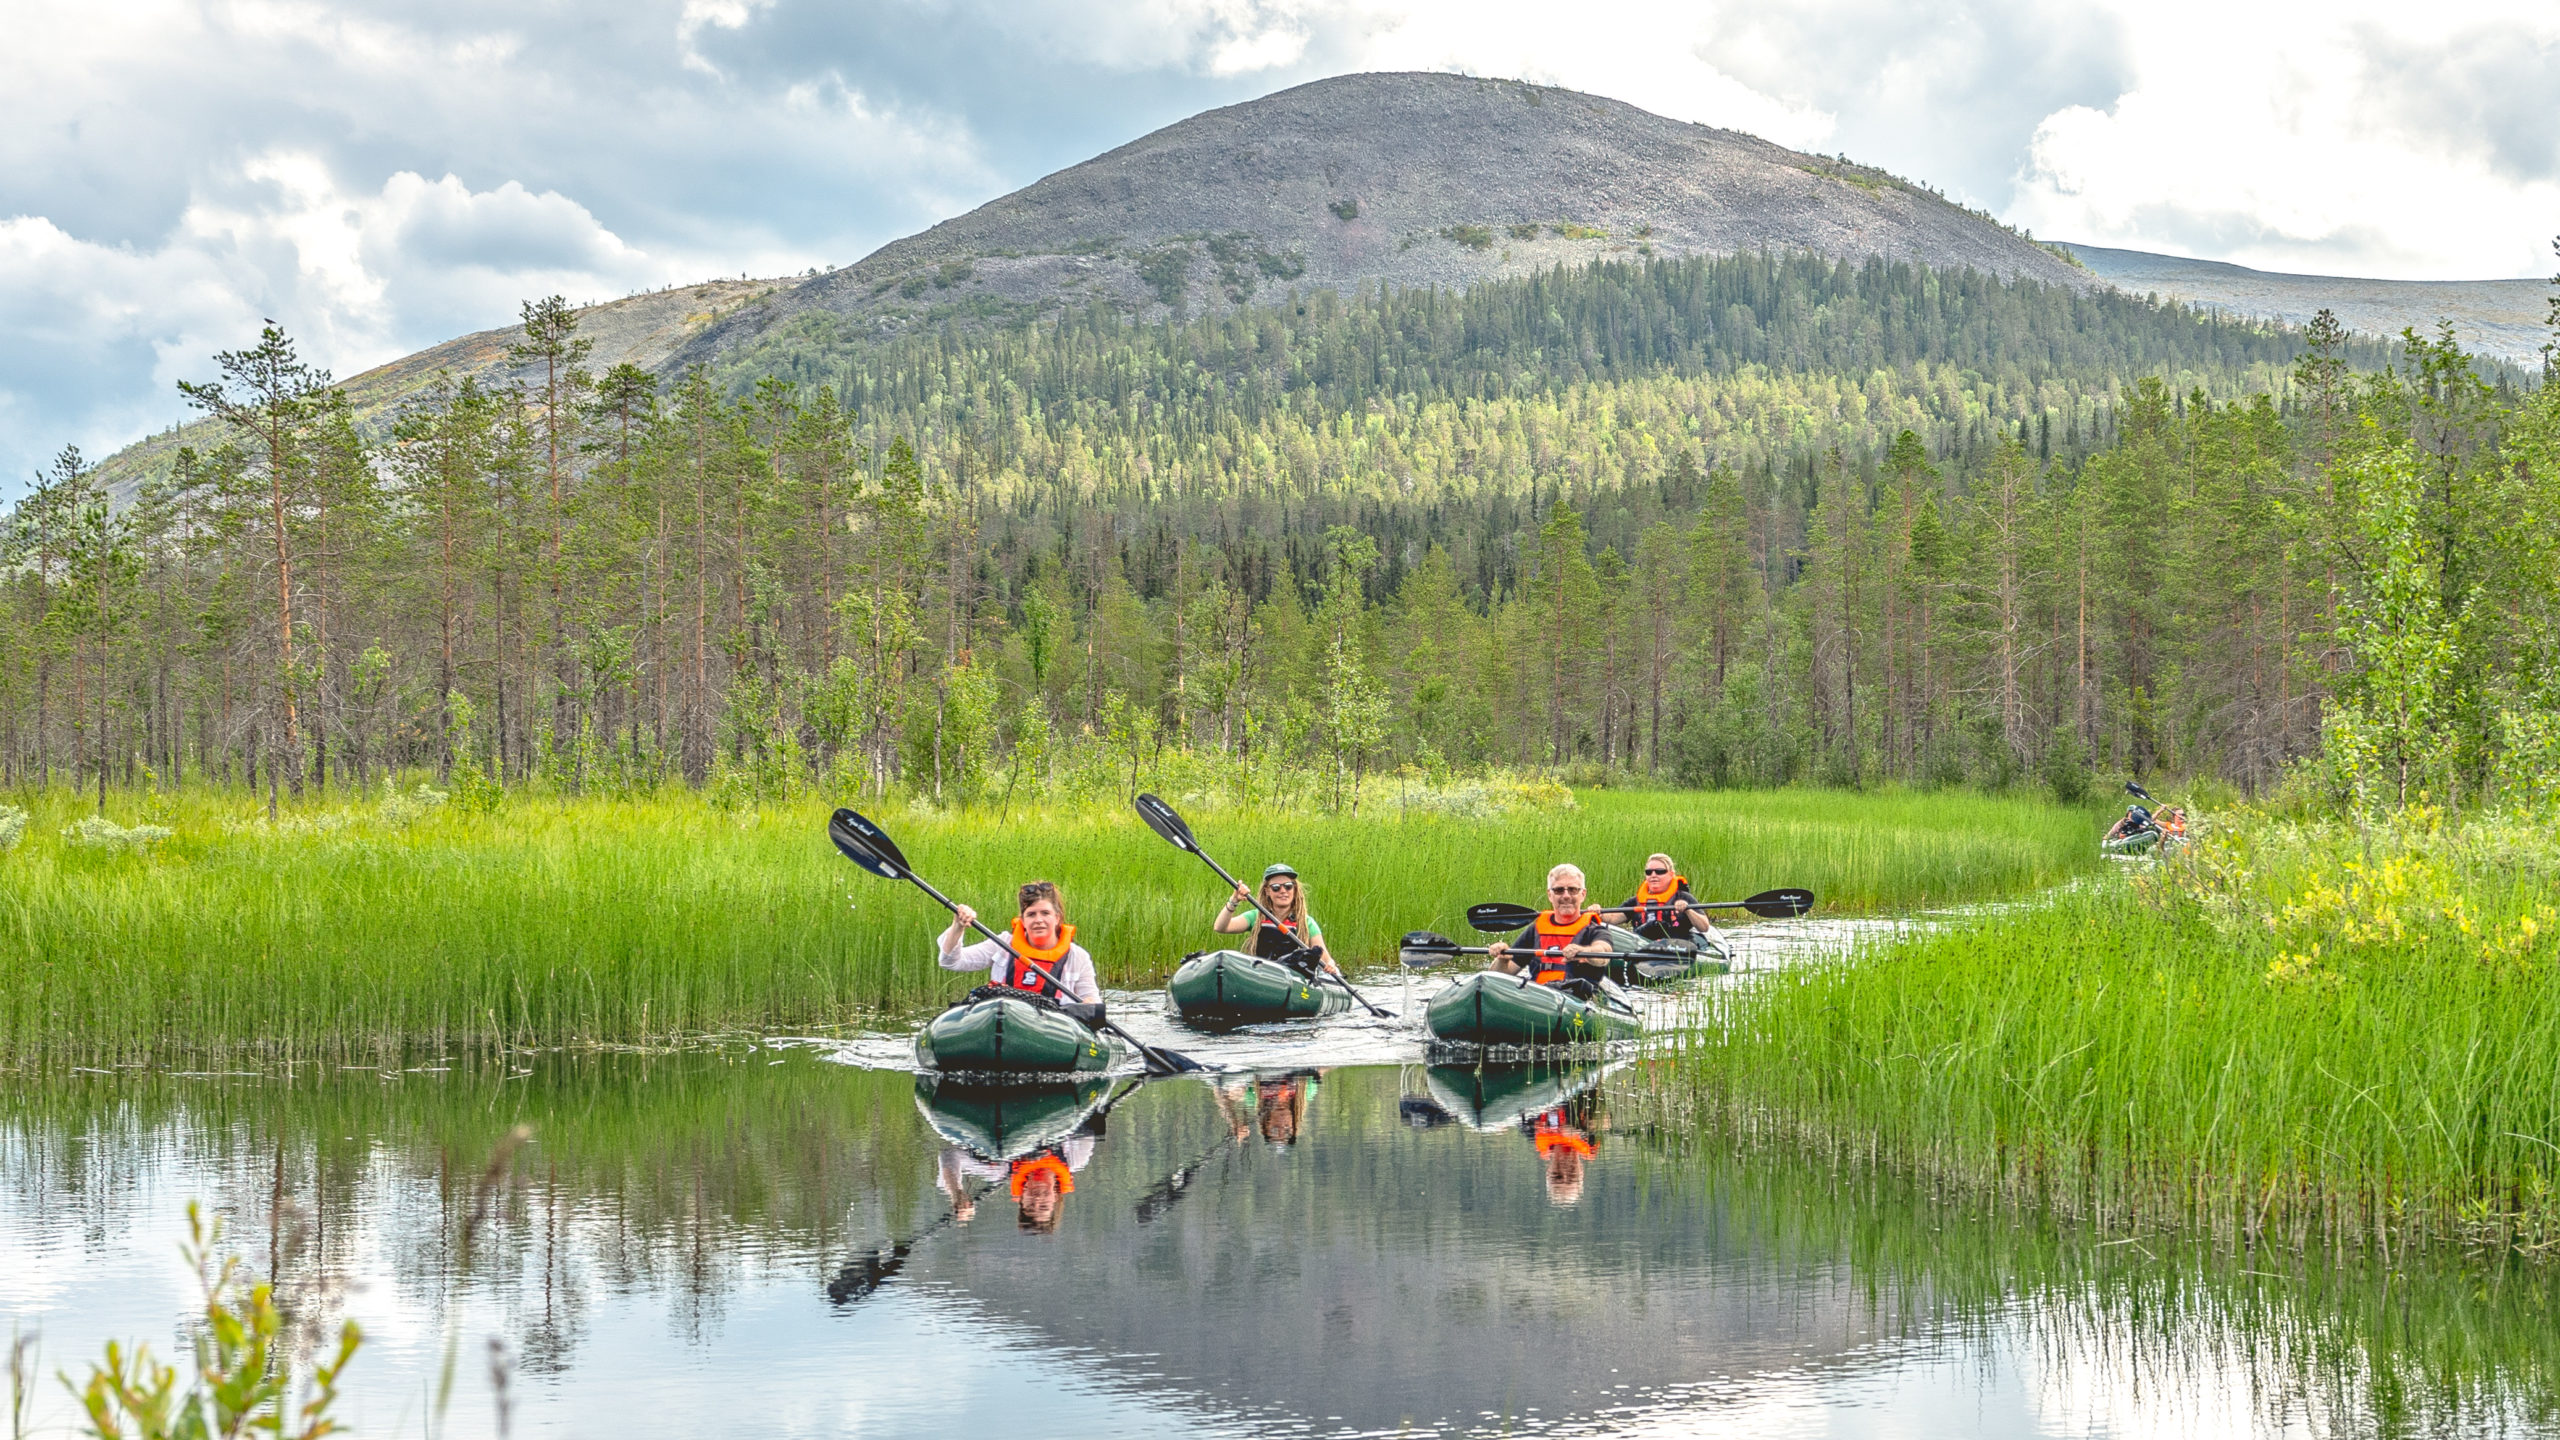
column 1649, row 870
column 1564, row 889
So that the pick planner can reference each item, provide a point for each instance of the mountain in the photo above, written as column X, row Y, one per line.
column 643, row 330
column 2503, row 318
column 1401, row 180
column 1407, row 179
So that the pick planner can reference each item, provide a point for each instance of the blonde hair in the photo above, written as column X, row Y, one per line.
column 1665, row 859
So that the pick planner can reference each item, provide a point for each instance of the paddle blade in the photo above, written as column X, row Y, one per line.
column 1494, row 915
column 1160, row 1061
column 865, row 1275
column 1421, row 949
column 1165, row 821
column 1779, row 904
column 1422, row 1113
column 2136, row 791
column 867, row 845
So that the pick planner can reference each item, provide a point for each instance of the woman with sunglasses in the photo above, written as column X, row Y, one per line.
column 1662, row 907
column 1278, row 917
column 1563, row 933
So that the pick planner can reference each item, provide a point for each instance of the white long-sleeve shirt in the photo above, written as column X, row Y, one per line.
column 958, row 1166
column 1074, row 972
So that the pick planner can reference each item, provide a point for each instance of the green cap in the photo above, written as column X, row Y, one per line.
column 1289, row 870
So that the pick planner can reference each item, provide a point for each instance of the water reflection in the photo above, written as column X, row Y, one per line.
column 705, row 1243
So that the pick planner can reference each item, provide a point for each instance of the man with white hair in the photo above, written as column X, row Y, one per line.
column 1561, row 934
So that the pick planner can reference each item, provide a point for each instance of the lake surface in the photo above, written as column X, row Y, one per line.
column 794, row 1237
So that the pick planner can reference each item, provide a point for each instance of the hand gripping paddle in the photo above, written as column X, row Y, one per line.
column 870, row 847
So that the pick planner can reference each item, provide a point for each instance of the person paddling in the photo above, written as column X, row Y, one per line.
column 1278, row 917
column 1040, row 936
column 1562, row 934
column 1663, row 900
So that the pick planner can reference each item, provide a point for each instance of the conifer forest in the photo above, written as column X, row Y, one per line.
column 1716, row 522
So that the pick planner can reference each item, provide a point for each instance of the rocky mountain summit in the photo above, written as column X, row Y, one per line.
column 1406, row 179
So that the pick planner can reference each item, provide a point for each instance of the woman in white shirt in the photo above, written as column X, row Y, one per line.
column 1040, row 937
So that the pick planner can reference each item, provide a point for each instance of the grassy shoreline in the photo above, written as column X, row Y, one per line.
column 556, row 921
column 2299, row 1035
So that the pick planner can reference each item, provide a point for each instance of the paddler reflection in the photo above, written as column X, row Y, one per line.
column 1271, row 1106
column 1033, row 1140
column 1559, row 1110
column 1566, row 1137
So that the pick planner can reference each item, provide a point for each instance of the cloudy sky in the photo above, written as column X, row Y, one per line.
column 380, row 177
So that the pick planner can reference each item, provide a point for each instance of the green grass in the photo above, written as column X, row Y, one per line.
column 2305, row 1035
column 566, row 922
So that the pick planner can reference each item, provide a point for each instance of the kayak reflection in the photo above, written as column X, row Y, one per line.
column 1558, row 1109
column 1031, row 1139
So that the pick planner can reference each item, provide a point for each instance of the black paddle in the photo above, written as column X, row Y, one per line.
column 1494, row 915
column 1165, row 821
column 2138, row 792
column 1422, row 949
column 869, row 1272
column 870, row 847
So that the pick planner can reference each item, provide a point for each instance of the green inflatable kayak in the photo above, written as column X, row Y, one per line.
column 1012, row 1035
column 1229, row 987
column 1489, row 1008
column 1497, row 1097
column 1007, row 1119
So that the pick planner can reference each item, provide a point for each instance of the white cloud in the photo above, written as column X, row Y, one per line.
column 2373, row 141
column 355, row 276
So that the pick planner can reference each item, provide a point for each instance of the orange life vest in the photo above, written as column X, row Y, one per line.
column 1022, row 977
column 1650, row 907
column 1548, row 1133
column 1553, row 935
column 1043, row 1163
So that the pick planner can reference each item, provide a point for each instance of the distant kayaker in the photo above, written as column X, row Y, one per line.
column 1563, row 933
column 1663, row 899
column 1040, row 936
column 1278, row 917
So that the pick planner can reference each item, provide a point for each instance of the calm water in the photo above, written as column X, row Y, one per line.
column 781, row 1239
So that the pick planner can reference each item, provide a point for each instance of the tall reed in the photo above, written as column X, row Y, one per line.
column 562, row 921
column 2303, row 1035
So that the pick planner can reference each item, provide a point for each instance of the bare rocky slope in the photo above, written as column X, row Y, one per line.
column 1409, row 179
column 2503, row 318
